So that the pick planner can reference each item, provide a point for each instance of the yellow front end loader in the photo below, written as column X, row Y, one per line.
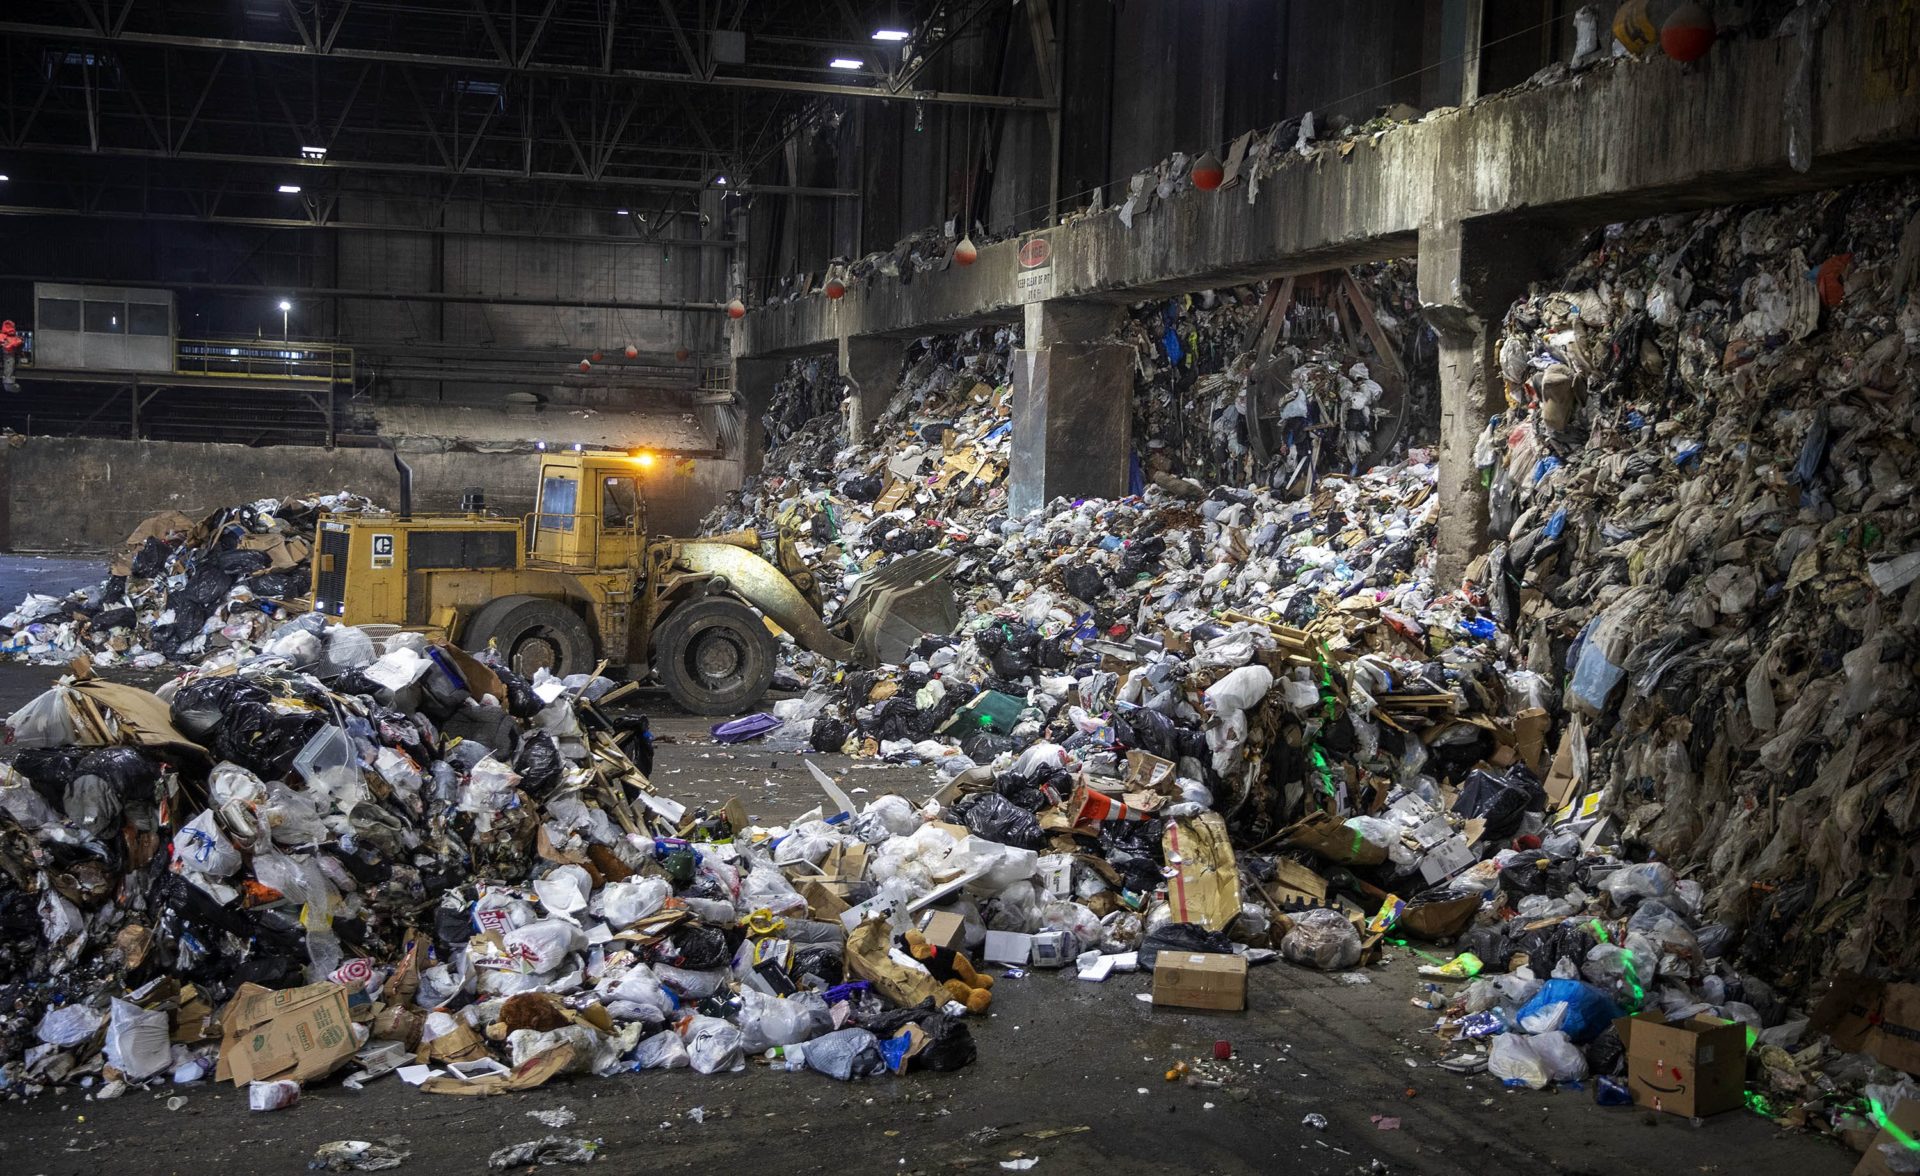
column 580, row 580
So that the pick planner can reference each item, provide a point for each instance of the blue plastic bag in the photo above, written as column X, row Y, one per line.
column 1589, row 1010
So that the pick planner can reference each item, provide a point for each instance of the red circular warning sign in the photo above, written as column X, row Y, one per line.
column 1035, row 252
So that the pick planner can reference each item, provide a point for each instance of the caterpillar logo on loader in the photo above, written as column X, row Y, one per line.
column 580, row 580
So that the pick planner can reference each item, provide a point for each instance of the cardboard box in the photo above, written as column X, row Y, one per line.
column 1872, row 1015
column 1696, row 1067
column 1199, row 980
column 297, row 1033
column 1206, row 888
column 1008, row 947
column 1530, row 729
column 944, row 929
column 1906, row 1116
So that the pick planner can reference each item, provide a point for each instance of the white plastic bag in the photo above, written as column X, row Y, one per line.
column 767, row 1020
column 1240, row 690
column 564, row 891
column 713, row 1045
column 622, row 904
column 637, row 995
column 1513, row 1059
column 1563, row 1059
column 765, row 886
column 138, row 1042
column 69, row 1024
column 543, row 946
column 46, row 721
column 201, row 846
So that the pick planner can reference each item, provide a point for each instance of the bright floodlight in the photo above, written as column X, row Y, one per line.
column 846, row 63
column 285, row 305
column 313, row 152
column 891, row 34
column 289, row 189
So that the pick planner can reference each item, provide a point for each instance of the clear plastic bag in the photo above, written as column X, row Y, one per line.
column 622, row 904
column 767, row 1020
column 662, row 1051
column 202, row 847
column 1322, row 939
column 846, row 1054
column 138, row 1043
column 1646, row 880
column 45, row 721
column 1564, row 1061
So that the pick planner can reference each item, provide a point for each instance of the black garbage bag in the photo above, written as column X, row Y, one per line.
column 1179, row 937
column 1501, row 800
column 521, row 702
column 484, row 724
column 1086, row 582
column 829, row 734
column 1606, row 1054
column 109, row 619
column 862, row 489
column 49, row 769
column 1011, row 664
column 1154, row 733
column 149, row 561
column 206, row 587
column 1021, row 791
column 265, row 742
column 697, row 947
column 1547, row 946
column 984, row 746
column 238, row 563
column 539, row 764
column 202, row 705
column 1492, row 945
column 994, row 817
column 108, row 782
column 281, row 585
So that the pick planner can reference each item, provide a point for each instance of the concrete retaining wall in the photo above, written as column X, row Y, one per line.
column 86, row 494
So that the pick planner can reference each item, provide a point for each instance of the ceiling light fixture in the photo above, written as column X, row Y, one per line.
column 720, row 180
column 891, row 34
column 846, row 63
column 621, row 212
column 313, row 153
column 289, row 189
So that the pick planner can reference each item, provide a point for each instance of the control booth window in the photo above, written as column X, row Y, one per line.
column 620, row 503
column 557, row 499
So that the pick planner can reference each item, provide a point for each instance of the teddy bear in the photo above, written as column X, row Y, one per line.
column 954, row 972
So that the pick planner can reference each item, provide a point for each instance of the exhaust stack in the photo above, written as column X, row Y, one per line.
column 406, row 486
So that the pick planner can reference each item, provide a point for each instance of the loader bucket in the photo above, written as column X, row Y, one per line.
column 892, row 608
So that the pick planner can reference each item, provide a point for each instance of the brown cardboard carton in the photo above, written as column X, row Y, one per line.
column 1206, row 888
column 1199, row 980
column 1904, row 1115
column 944, row 929
column 1530, row 728
column 297, row 1033
column 1696, row 1067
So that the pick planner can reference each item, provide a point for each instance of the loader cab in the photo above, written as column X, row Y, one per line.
column 590, row 512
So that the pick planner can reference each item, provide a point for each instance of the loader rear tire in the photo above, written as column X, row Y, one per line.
column 715, row 656
column 531, row 633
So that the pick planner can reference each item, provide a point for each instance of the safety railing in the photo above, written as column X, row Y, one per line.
column 253, row 359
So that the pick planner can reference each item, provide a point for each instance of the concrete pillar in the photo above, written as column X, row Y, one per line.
column 753, row 381
column 871, row 366
column 1072, row 406
column 1469, row 275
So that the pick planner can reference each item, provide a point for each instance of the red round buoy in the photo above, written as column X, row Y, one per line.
column 586, row 365
column 966, row 252
column 836, row 289
column 633, row 352
column 1687, row 34
column 595, row 357
column 1208, row 173
column 736, row 309
column 683, row 355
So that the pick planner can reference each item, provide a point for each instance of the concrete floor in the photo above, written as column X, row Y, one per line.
column 1068, row 1072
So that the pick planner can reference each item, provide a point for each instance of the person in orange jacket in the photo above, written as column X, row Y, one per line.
column 10, row 345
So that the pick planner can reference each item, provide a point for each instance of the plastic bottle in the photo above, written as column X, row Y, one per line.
column 787, row 1057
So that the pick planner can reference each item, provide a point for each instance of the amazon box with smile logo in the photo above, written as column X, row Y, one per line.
column 1696, row 1067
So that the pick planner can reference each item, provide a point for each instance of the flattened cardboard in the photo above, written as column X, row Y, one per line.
column 1906, row 1116
column 1324, row 834
column 1440, row 920
column 1200, row 980
column 870, row 957
column 1206, row 890
column 528, row 1074
column 1695, row 1068
column 297, row 1033
column 1530, row 729
column 1882, row 1019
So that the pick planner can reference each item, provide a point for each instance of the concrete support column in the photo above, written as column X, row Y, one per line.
column 753, row 381
column 871, row 366
column 1470, row 273
column 1072, row 406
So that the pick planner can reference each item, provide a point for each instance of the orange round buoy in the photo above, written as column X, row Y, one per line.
column 1208, row 173
column 1633, row 27
column 633, row 352
column 736, row 309
column 683, row 355
column 586, row 365
column 1687, row 34
column 595, row 357
column 836, row 289
column 966, row 252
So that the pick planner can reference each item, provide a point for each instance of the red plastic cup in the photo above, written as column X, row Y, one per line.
column 1222, row 1050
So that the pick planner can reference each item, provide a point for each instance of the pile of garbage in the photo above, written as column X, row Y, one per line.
column 394, row 857
column 181, row 588
column 1703, row 501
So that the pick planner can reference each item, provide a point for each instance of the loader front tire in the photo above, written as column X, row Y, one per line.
column 530, row 634
column 714, row 656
